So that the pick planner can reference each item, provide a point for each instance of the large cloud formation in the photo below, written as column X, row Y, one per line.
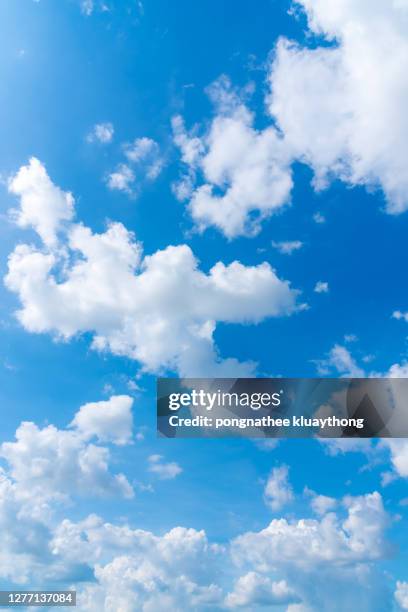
column 342, row 106
column 47, row 468
column 338, row 105
column 159, row 309
column 293, row 562
column 244, row 173
column 61, row 462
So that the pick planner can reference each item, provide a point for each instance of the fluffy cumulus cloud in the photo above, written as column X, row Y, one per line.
column 143, row 162
column 109, row 421
column 257, row 590
column 235, row 175
column 341, row 105
column 399, row 455
column 63, row 462
column 134, row 569
column 43, row 206
column 115, row 566
column 159, row 309
column 183, row 570
column 278, row 490
column 337, row 106
column 122, row 179
column 359, row 536
column 137, row 570
column 330, row 553
column 321, row 504
column 46, row 469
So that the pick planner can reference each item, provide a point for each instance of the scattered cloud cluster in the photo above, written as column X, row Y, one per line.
column 88, row 7
column 143, row 162
column 158, row 309
column 116, row 566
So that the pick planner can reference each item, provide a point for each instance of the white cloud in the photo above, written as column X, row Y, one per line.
column 341, row 107
column 340, row 360
column 44, row 469
column 308, row 542
column 267, row 444
column 245, row 172
column 299, row 607
column 184, row 571
column 399, row 454
column 254, row 589
column 338, row 107
column 87, row 7
column 119, row 567
column 109, row 421
column 146, row 151
column 121, row 179
column 58, row 463
column 288, row 247
column 143, row 162
column 397, row 314
column 165, row 471
column 319, row 218
column 136, row 570
column 23, row 524
column 44, row 207
column 398, row 371
column 115, row 566
column 340, row 446
column 319, row 557
column 101, row 132
column 321, row 504
column 401, row 595
column 387, row 478
column 160, row 309
column 321, row 287
column 278, row 490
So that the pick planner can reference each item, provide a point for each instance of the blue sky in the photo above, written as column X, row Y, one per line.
column 338, row 191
